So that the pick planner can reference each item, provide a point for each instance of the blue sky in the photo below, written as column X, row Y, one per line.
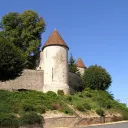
column 95, row 30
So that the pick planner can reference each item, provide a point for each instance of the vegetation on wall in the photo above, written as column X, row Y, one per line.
column 24, row 31
column 96, row 77
column 12, row 60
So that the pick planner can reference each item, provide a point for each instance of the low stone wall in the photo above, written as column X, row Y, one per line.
column 96, row 120
column 60, row 122
column 70, row 122
column 30, row 80
column 74, row 122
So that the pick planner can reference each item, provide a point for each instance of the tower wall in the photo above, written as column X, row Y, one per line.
column 81, row 70
column 41, row 65
column 55, row 64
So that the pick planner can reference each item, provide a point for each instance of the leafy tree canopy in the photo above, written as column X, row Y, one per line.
column 72, row 65
column 23, row 30
column 96, row 77
column 12, row 60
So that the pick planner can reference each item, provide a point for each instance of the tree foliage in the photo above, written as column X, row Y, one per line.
column 23, row 30
column 96, row 77
column 12, row 60
column 72, row 65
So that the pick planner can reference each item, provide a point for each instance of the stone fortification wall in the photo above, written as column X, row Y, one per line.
column 34, row 79
column 30, row 80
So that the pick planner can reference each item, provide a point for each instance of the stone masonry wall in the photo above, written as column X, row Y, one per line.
column 30, row 80
column 75, row 122
column 34, row 79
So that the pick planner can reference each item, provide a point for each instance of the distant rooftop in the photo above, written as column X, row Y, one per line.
column 80, row 63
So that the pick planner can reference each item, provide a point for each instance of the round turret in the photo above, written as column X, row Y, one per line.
column 80, row 66
column 55, row 64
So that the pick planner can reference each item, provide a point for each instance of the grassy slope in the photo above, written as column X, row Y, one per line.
column 32, row 102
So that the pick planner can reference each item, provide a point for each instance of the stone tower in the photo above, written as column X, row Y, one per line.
column 80, row 66
column 54, row 63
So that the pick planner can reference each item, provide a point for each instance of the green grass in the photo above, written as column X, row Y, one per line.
column 27, row 104
column 33, row 103
column 27, row 101
column 94, row 100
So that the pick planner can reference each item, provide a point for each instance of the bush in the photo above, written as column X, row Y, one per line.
column 87, row 106
column 31, row 118
column 28, row 107
column 80, row 95
column 67, row 110
column 8, row 120
column 80, row 107
column 88, row 94
column 109, row 105
column 69, row 98
column 41, row 109
column 60, row 92
column 100, row 112
column 125, row 115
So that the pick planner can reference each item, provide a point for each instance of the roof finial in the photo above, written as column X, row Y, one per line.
column 55, row 29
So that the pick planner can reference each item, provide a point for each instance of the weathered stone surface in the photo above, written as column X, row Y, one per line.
column 34, row 80
column 29, row 80
column 75, row 122
column 55, row 65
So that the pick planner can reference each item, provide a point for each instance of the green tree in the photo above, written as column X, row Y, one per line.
column 96, row 77
column 12, row 60
column 24, row 31
column 72, row 65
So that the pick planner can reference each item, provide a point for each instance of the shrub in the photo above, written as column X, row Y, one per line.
column 67, row 110
column 80, row 95
column 40, row 109
column 100, row 112
column 69, row 98
column 8, row 120
column 109, row 105
column 125, row 115
column 88, row 94
column 60, row 92
column 31, row 118
column 80, row 107
column 28, row 107
column 87, row 106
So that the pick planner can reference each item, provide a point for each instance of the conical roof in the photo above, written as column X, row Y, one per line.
column 55, row 39
column 80, row 63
